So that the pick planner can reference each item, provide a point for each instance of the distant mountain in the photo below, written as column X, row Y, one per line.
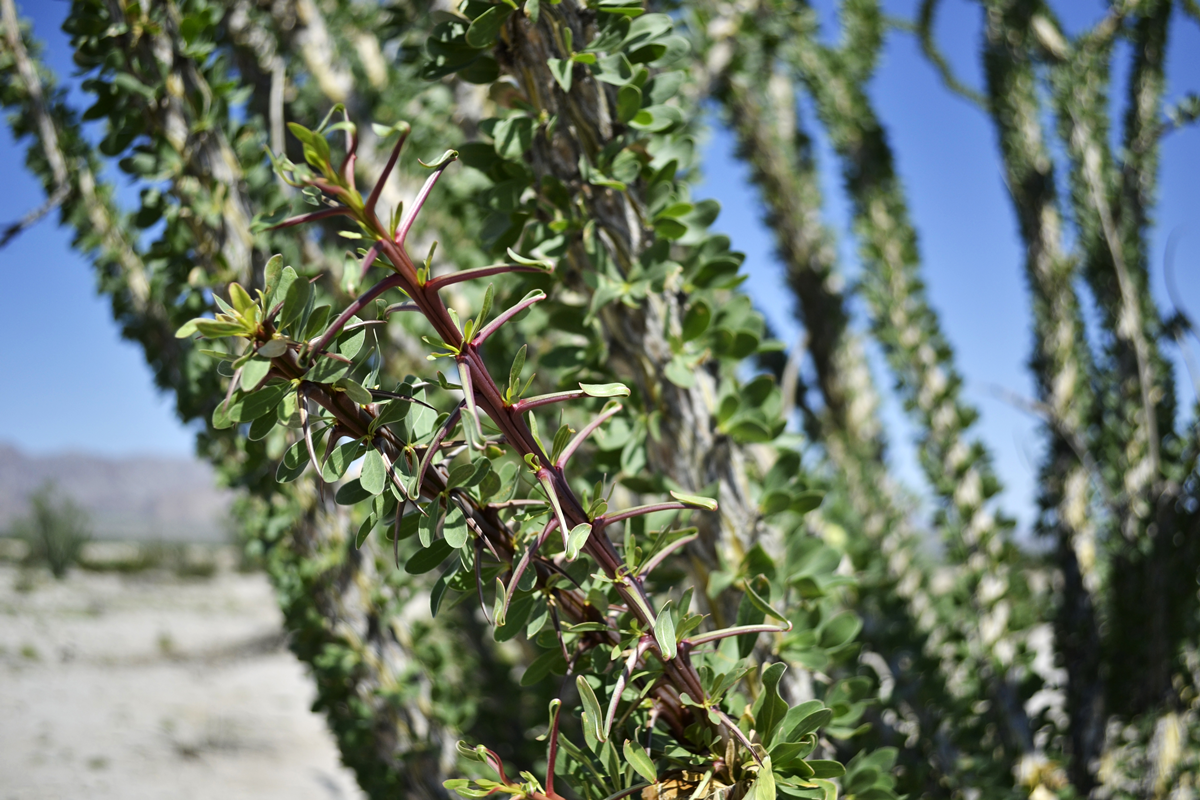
column 136, row 497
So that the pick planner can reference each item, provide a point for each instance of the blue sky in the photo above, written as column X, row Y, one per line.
column 947, row 158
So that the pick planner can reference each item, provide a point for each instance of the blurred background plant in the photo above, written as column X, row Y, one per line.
column 54, row 532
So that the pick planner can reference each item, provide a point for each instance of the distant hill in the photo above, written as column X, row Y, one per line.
column 136, row 497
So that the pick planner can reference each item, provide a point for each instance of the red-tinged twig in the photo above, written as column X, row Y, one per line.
column 479, row 578
column 312, row 216
column 449, row 279
column 495, row 324
column 732, row 727
column 442, row 433
column 661, row 555
column 233, row 382
column 644, row 644
column 638, row 511
column 547, row 399
column 369, row 260
column 637, row 787
column 562, row 643
column 552, row 756
column 362, row 301
column 387, row 171
column 410, row 216
column 302, row 407
column 587, row 431
column 396, row 531
column 398, row 307
column 524, row 563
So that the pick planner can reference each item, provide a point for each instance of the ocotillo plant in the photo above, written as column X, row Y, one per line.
column 492, row 501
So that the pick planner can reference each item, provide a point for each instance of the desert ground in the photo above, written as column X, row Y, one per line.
column 155, row 683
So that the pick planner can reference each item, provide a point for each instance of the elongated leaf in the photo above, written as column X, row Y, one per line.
column 605, row 389
column 754, row 591
column 769, row 709
column 805, row 718
column 664, row 632
column 428, row 559
column 351, row 492
column 696, row 501
column 639, row 759
column 486, row 26
column 591, row 707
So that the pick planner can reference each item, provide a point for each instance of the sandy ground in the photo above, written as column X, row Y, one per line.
column 152, row 686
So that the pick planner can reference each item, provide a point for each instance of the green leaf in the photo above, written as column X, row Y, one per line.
column 803, row 502
column 829, row 788
column 272, row 272
column 355, row 391
column 252, row 406
column 840, row 630
column 561, row 69
column 753, row 591
column 212, row 329
column 327, row 370
column 486, row 26
column 639, row 759
column 293, row 463
column 748, row 614
column 543, row 665
column 272, row 349
column 629, row 102
column 769, row 709
column 664, row 632
column 513, row 137
column 826, row 769
column 294, row 301
column 188, row 328
column 455, row 528
column 351, row 492
column 440, row 587
column 262, row 427
column 514, row 372
column 364, row 530
column 695, row 501
column 374, row 473
column 680, row 373
column 594, row 718
column 764, row 784
column 254, row 372
column 561, row 438
column 428, row 529
column 803, row 719
column 428, row 559
column 605, row 389
column 529, row 262
column 696, row 320
column 657, row 119
column 576, row 539
column 339, row 460
column 442, row 160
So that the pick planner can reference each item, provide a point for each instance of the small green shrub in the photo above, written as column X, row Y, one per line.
column 55, row 530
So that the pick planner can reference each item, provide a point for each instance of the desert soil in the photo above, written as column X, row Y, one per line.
column 153, row 686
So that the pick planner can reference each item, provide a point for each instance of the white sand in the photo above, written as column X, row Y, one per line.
column 155, row 687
